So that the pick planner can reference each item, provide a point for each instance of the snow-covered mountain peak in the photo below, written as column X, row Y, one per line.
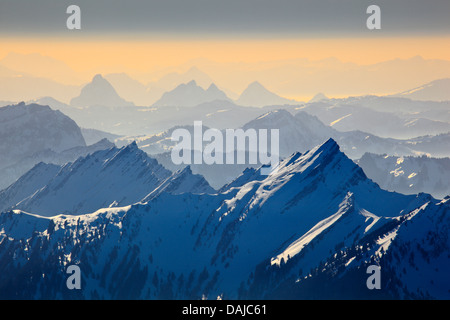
column 182, row 181
column 318, row 156
column 113, row 176
column 261, row 238
column 323, row 168
column 185, row 171
column 328, row 147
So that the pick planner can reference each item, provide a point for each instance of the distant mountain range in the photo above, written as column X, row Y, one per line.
column 133, row 121
column 256, row 95
column 297, row 133
column 13, row 172
column 44, row 76
column 28, row 129
column 32, row 133
column 317, row 222
column 99, row 92
column 189, row 95
column 437, row 90
column 386, row 117
column 87, row 179
column 408, row 175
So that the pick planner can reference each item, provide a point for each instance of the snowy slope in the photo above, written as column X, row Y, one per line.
column 375, row 117
column 28, row 184
column 411, row 251
column 181, row 181
column 157, row 143
column 297, row 133
column 317, row 207
column 248, row 175
column 409, row 175
column 11, row 173
column 105, row 178
column 27, row 131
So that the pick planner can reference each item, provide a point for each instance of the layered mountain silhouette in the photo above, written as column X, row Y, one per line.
column 33, row 133
column 190, row 94
column 408, row 175
column 256, row 95
column 318, row 97
column 437, row 90
column 297, row 132
column 362, row 181
column 28, row 129
column 99, row 92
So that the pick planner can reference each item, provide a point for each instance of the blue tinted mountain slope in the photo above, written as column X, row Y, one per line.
column 27, row 130
column 437, row 90
column 13, row 172
column 376, row 116
column 409, row 175
column 106, row 178
column 299, row 132
column 314, row 208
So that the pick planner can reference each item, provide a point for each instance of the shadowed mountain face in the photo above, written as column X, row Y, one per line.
column 106, row 178
column 28, row 129
column 258, row 238
column 408, row 175
column 33, row 133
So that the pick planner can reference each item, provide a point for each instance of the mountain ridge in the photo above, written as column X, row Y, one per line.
column 190, row 94
column 256, row 95
column 224, row 243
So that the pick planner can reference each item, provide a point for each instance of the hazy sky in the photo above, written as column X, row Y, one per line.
column 150, row 38
column 303, row 18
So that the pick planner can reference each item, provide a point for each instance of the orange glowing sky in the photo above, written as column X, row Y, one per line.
column 140, row 55
column 234, row 62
